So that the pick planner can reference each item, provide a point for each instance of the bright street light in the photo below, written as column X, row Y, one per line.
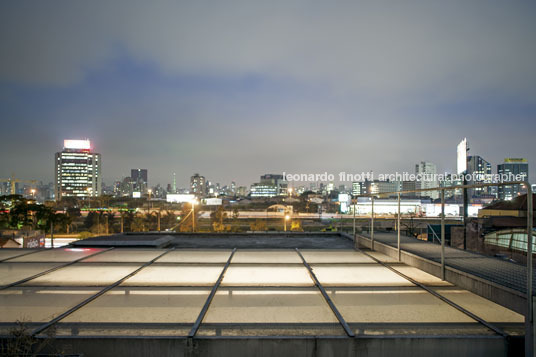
column 193, row 202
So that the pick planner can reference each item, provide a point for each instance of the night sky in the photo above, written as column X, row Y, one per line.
column 236, row 89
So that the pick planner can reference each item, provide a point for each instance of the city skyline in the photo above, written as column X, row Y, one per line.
column 237, row 90
column 184, row 182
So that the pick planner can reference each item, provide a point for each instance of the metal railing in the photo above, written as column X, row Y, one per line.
column 529, row 327
column 434, row 234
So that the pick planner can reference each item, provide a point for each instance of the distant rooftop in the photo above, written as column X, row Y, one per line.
column 518, row 203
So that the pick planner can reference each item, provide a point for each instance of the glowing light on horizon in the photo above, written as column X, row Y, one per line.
column 77, row 144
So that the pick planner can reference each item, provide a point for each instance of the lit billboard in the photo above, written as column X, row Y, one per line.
column 211, row 201
column 77, row 144
column 344, row 199
column 179, row 198
column 462, row 157
column 136, row 194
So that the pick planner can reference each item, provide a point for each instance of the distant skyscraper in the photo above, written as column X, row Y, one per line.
column 429, row 180
column 77, row 170
column 512, row 166
column 480, row 169
column 139, row 180
column 198, row 185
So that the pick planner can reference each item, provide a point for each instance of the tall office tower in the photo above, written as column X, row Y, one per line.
column 77, row 170
column 480, row 170
column 512, row 167
column 139, row 180
column 174, row 187
column 198, row 185
column 428, row 171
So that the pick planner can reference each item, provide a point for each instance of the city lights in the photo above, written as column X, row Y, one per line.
column 268, row 178
column 77, row 144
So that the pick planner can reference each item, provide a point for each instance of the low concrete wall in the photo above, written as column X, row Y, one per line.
column 488, row 346
column 501, row 295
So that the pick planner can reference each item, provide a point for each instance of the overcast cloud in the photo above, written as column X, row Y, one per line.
column 236, row 89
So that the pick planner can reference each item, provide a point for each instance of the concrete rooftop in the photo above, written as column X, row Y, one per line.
column 323, row 290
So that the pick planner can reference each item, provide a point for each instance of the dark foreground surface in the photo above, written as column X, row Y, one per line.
column 276, row 240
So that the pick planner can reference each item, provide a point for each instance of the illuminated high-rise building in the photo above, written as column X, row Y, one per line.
column 480, row 170
column 270, row 185
column 139, row 180
column 359, row 188
column 77, row 170
column 198, row 185
column 510, row 168
column 428, row 172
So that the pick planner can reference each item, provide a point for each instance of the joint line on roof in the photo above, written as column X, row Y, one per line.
column 334, row 309
column 93, row 297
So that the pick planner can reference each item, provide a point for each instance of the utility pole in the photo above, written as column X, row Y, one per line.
column 465, row 211
column 52, row 232
column 465, row 203
column 354, row 202
column 193, row 216
column 461, row 169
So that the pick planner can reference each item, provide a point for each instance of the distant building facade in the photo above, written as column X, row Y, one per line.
column 377, row 186
column 410, row 186
column 448, row 181
column 139, row 179
column 359, row 188
column 242, row 191
column 512, row 166
column 198, row 185
column 77, row 170
column 429, row 172
column 478, row 167
column 270, row 185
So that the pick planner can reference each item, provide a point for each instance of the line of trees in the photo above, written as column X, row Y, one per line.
column 105, row 222
column 19, row 213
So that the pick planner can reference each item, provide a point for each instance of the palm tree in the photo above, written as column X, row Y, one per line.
column 109, row 217
column 138, row 224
